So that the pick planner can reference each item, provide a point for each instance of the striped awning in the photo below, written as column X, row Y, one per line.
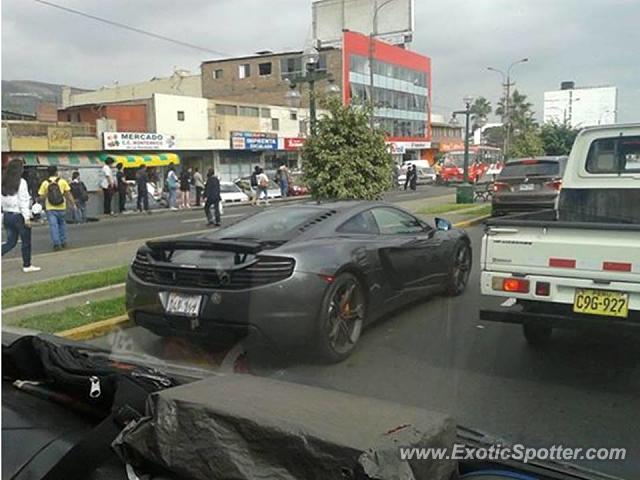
column 134, row 161
column 61, row 159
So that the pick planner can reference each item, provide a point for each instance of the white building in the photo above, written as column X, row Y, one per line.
column 581, row 106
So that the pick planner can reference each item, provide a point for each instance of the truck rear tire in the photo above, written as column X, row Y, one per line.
column 536, row 334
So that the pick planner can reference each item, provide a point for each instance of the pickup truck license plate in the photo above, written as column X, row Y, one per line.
column 527, row 187
column 601, row 302
column 181, row 304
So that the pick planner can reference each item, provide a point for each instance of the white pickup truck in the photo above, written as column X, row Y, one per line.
column 578, row 265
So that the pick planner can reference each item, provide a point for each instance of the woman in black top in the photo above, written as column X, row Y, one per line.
column 185, row 187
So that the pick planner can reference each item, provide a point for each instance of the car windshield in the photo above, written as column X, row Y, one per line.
column 229, row 188
column 531, row 168
column 349, row 247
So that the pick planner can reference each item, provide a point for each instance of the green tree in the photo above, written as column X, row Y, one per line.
column 481, row 108
column 526, row 144
column 346, row 159
column 557, row 138
column 494, row 136
column 521, row 115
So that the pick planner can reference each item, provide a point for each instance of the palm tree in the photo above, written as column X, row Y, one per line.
column 520, row 112
column 481, row 108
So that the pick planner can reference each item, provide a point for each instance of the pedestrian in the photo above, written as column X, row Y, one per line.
column 185, row 187
column 282, row 179
column 172, row 187
column 414, row 178
column 263, row 186
column 55, row 192
column 253, row 180
column 142, row 179
column 407, row 176
column 16, row 212
column 80, row 195
column 121, row 182
column 108, row 185
column 212, row 197
column 198, row 182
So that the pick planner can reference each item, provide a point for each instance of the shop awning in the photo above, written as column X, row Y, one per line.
column 61, row 159
column 134, row 161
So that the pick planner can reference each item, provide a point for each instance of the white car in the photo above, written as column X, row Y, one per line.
column 231, row 193
column 426, row 173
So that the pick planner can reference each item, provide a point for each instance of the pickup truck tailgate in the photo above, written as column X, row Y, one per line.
column 610, row 255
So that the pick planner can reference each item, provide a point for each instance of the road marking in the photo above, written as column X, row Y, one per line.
column 196, row 220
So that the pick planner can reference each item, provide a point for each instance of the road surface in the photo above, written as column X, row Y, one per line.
column 583, row 391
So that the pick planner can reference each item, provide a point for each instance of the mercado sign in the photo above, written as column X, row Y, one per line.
column 254, row 141
column 138, row 141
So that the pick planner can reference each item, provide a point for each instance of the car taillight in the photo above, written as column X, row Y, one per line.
column 554, row 185
column 501, row 187
column 516, row 285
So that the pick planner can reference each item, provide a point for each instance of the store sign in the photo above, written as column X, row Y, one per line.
column 59, row 139
column 138, row 141
column 254, row 141
column 402, row 147
column 294, row 143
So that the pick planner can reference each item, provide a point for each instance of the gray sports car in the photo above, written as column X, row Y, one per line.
column 297, row 277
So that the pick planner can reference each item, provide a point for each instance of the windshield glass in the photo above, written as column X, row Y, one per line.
column 348, row 248
column 530, row 169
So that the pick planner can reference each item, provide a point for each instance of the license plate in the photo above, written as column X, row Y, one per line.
column 187, row 305
column 526, row 187
column 601, row 302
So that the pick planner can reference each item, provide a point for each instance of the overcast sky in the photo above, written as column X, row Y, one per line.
column 593, row 42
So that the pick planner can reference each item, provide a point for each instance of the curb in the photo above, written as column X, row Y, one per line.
column 96, row 329
column 471, row 222
column 13, row 314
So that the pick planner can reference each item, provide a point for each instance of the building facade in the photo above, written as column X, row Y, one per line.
column 263, row 78
column 180, row 83
column 401, row 91
column 581, row 106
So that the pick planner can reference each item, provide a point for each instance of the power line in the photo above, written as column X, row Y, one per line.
column 130, row 28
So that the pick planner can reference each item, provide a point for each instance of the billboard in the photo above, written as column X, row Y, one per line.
column 581, row 107
column 395, row 21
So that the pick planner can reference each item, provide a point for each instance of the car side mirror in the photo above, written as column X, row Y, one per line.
column 443, row 224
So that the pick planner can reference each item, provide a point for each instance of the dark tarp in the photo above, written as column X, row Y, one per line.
column 245, row 427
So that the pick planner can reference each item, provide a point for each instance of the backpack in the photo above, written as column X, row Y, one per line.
column 54, row 194
column 171, row 181
column 79, row 191
column 264, row 182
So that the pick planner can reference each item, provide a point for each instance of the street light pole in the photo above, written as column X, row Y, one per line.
column 311, row 76
column 464, row 192
column 372, row 35
column 507, row 84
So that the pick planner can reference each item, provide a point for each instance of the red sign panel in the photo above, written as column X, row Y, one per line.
column 293, row 143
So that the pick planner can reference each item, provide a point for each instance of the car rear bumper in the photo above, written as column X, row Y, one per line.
column 561, row 320
column 282, row 315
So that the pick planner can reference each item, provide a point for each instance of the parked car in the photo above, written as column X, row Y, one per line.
column 576, row 267
column 528, row 184
column 426, row 173
column 156, row 198
column 297, row 277
column 244, row 183
column 231, row 193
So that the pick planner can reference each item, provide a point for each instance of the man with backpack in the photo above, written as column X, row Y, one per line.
column 254, row 184
column 263, row 187
column 80, row 196
column 55, row 192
